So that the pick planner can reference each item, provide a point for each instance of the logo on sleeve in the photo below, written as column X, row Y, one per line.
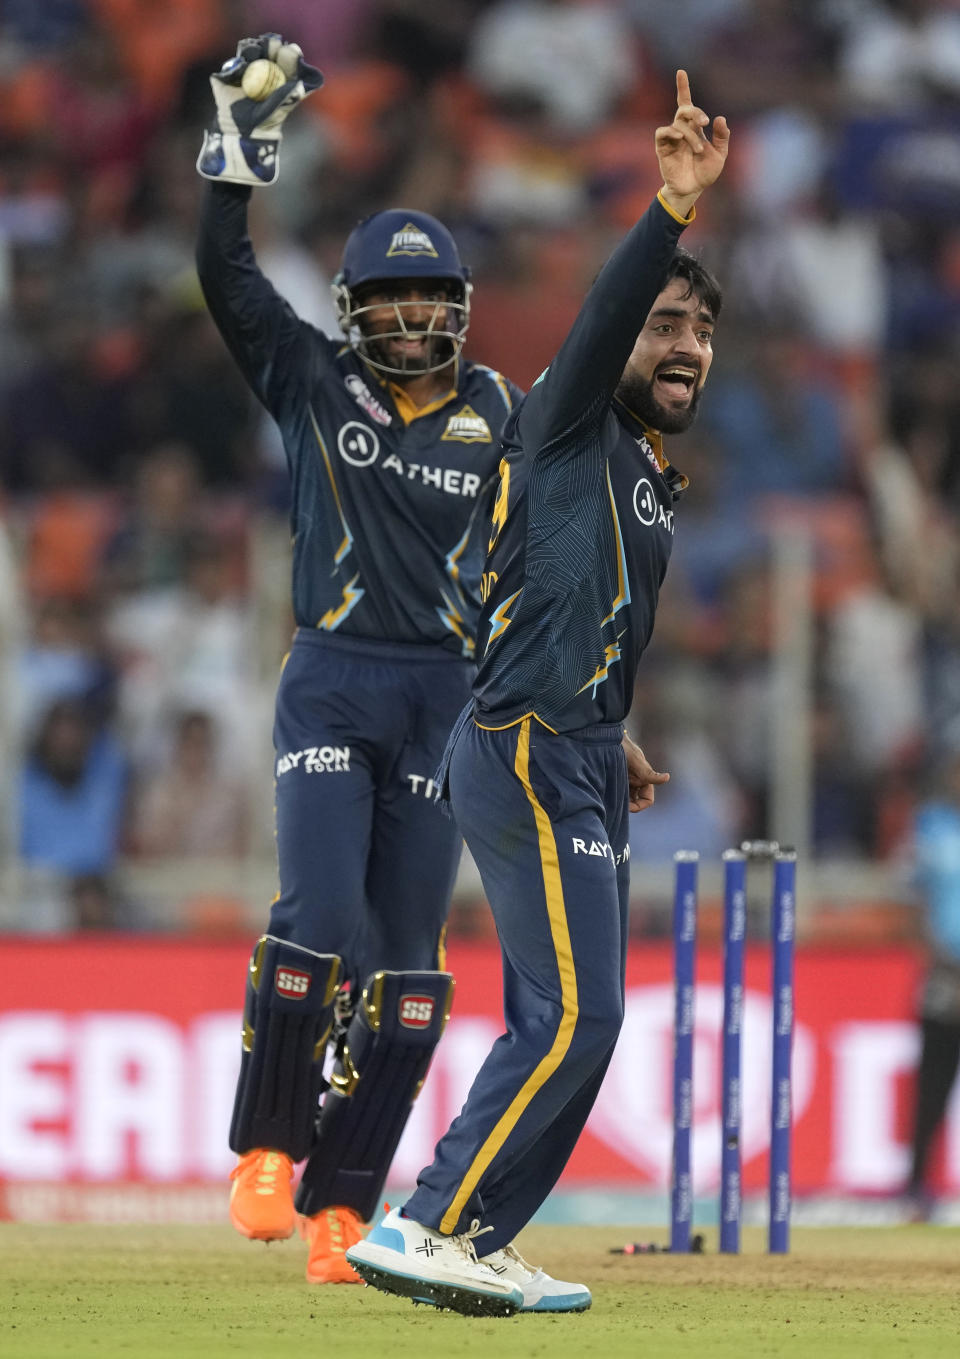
column 411, row 240
column 467, row 427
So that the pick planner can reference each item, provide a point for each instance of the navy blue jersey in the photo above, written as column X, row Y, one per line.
column 390, row 503
column 584, row 516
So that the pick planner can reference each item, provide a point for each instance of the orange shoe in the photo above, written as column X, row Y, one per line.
column 329, row 1233
column 261, row 1200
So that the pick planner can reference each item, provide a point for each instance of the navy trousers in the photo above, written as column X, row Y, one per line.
column 367, row 860
column 545, row 817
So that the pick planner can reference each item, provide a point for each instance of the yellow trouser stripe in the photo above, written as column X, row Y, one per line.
column 556, row 913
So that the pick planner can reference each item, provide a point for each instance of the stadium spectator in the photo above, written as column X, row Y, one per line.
column 66, row 420
column 428, row 41
column 186, row 806
column 71, row 804
column 64, row 657
column 777, row 417
column 187, row 645
column 901, row 56
column 568, row 60
column 151, row 545
column 771, row 55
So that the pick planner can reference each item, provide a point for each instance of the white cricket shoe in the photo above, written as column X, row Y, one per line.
column 540, row 1292
column 402, row 1256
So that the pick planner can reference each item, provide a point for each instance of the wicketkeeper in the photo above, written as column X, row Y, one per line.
column 391, row 439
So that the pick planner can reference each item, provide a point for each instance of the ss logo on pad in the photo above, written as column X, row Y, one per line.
column 416, row 1011
column 291, row 984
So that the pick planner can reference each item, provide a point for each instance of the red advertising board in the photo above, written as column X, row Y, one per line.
column 118, row 1057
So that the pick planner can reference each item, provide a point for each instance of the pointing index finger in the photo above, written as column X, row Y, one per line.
column 683, row 89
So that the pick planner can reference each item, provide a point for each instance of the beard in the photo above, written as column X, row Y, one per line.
column 437, row 352
column 637, row 394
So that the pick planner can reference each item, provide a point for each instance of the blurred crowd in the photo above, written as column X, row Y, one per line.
column 142, row 493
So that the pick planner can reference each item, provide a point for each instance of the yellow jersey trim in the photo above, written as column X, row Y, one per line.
column 623, row 584
column 347, row 542
column 453, row 564
column 507, row 725
column 501, row 505
column 685, row 221
column 408, row 410
column 504, row 389
column 560, row 934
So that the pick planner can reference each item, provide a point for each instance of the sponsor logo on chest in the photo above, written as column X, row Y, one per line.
column 359, row 445
column 647, row 507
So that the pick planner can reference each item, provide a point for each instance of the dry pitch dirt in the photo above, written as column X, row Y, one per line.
column 144, row 1292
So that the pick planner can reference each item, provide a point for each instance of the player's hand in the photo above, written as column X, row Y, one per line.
column 243, row 144
column 690, row 161
column 642, row 778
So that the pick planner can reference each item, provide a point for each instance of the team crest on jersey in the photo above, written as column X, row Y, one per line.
column 365, row 399
column 411, row 240
column 467, row 427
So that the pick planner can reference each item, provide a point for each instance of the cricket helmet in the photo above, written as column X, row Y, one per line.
column 415, row 247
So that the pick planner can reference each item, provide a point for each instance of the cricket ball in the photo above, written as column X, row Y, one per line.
column 261, row 78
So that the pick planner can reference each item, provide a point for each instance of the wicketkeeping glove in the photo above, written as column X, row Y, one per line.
column 243, row 145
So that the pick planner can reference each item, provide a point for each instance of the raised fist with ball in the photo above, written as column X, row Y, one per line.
column 255, row 91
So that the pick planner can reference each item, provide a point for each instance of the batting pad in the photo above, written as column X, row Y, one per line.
column 383, row 1064
column 286, row 1023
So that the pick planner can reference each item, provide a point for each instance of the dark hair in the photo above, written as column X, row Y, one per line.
column 700, row 282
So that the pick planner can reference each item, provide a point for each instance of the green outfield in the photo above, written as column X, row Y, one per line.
column 144, row 1292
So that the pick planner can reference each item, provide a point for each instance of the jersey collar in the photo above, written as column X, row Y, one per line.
column 650, row 443
column 408, row 410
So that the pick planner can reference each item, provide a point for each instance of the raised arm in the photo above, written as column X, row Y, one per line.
column 260, row 329
column 254, row 92
column 578, row 385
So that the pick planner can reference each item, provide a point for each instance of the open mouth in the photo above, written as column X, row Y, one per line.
column 410, row 344
column 676, row 383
